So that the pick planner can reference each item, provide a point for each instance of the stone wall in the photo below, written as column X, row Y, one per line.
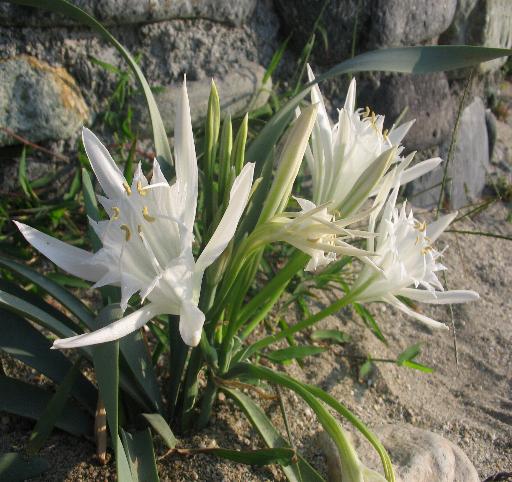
column 50, row 83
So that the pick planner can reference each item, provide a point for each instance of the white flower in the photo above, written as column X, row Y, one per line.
column 405, row 257
column 315, row 231
column 147, row 242
column 345, row 157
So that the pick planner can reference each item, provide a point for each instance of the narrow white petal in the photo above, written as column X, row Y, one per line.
column 350, row 101
column 191, row 323
column 435, row 229
column 408, row 311
column 396, row 134
column 440, row 297
column 305, row 204
column 111, row 332
column 108, row 174
column 186, row 161
column 238, row 198
column 419, row 170
column 75, row 261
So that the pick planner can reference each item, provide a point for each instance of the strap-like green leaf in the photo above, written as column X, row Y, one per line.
column 23, row 308
column 23, row 341
column 282, row 456
column 293, row 352
column 26, row 400
column 161, row 427
column 46, row 422
column 66, row 8
column 73, row 304
column 141, row 457
column 301, row 471
column 106, row 366
column 16, row 467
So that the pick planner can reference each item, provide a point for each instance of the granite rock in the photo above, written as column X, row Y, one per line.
column 467, row 170
column 38, row 101
column 120, row 12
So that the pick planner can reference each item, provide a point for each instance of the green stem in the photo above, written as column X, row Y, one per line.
column 177, row 360
column 207, row 403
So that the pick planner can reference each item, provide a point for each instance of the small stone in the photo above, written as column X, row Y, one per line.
column 221, row 397
column 38, row 101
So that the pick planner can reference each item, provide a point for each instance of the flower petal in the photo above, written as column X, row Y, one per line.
column 440, row 297
column 350, row 101
column 108, row 174
column 238, row 198
column 419, row 170
column 186, row 161
column 111, row 332
column 191, row 323
column 73, row 260
column 435, row 229
column 414, row 314
column 396, row 134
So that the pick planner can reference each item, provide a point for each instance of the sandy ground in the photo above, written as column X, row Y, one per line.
column 469, row 403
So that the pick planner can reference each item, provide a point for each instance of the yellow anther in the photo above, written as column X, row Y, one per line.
column 417, row 239
column 421, row 227
column 374, row 117
column 116, row 212
column 366, row 112
column 385, row 133
column 127, row 232
column 146, row 215
column 127, row 188
column 140, row 189
column 426, row 249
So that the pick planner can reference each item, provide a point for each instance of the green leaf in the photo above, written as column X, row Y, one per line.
column 136, row 356
column 73, row 304
column 282, row 456
column 22, row 175
column 417, row 366
column 26, row 400
column 21, row 340
column 46, row 422
column 161, row 427
column 365, row 369
column 350, row 469
column 91, row 208
column 409, row 353
column 301, row 471
column 417, row 60
column 66, row 8
column 141, row 457
column 16, row 467
column 22, row 308
column 293, row 352
column 336, row 336
column 68, row 280
column 369, row 321
column 238, row 152
column 106, row 366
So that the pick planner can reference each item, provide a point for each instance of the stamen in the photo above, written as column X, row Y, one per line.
column 146, row 215
column 366, row 112
column 385, row 133
column 127, row 231
column 116, row 212
column 139, row 230
column 127, row 188
column 426, row 249
column 374, row 118
column 140, row 189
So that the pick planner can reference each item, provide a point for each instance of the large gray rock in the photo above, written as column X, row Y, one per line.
column 240, row 91
column 468, row 168
column 427, row 99
column 417, row 455
column 482, row 22
column 117, row 12
column 38, row 101
column 381, row 23
column 402, row 22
